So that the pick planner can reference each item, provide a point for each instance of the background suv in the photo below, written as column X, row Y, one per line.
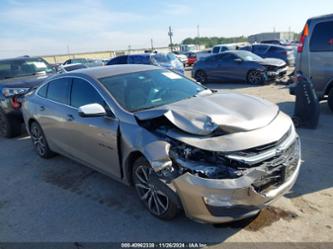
column 168, row 60
column 17, row 76
column 315, row 55
column 272, row 51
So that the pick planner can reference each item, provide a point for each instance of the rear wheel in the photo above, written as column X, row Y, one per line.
column 201, row 77
column 330, row 99
column 39, row 141
column 9, row 126
column 255, row 77
column 153, row 193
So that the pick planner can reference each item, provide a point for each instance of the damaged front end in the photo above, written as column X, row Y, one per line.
column 216, row 187
column 226, row 175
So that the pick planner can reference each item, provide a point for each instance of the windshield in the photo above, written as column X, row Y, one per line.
column 148, row 89
column 163, row 58
column 23, row 67
column 248, row 56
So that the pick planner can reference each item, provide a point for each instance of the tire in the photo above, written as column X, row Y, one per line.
column 39, row 141
column 255, row 77
column 330, row 99
column 9, row 126
column 153, row 193
column 201, row 77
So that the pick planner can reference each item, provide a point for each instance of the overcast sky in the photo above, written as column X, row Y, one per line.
column 38, row 27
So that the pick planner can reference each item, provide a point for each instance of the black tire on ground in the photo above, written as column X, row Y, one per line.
column 9, row 126
column 255, row 77
column 158, row 198
column 39, row 141
column 201, row 76
column 330, row 99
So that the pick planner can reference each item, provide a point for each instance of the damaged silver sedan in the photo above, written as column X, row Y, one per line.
column 219, row 156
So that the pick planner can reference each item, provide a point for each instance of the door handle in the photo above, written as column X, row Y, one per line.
column 70, row 117
column 42, row 108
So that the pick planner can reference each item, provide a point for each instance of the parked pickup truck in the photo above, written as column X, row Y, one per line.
column 17, row 77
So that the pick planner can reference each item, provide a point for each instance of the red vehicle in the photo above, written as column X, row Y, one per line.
column 192, row 58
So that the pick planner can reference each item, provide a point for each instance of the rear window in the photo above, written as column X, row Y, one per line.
column 322, row 37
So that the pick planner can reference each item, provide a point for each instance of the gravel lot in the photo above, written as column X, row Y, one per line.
column 61, row 201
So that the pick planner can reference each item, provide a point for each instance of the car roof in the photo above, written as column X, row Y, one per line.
column 270, row 45
column 113, row 70
column 321, row 17
column 21, row 58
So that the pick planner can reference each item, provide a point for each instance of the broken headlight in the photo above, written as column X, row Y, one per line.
column 206, row 164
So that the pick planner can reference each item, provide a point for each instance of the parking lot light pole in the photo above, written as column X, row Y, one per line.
column 170, row 33
column 152, row 44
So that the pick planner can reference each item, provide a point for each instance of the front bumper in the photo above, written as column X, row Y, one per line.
column 278, row 73
column 219, row 201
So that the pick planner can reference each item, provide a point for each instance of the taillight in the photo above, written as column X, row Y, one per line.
column 15, row 103
column 305, row 33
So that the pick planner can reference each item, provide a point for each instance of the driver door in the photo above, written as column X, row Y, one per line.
column 93, row 139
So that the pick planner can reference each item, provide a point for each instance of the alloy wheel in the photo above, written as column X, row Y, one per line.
column 255, row 77
column 38, row 140
column 201, row 77
column 156, row 201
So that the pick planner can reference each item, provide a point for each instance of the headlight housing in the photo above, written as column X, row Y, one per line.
column 206, row 164
column 10, row 92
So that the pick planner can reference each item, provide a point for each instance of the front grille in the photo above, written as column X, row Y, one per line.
column 278, row 169
column 263, row 148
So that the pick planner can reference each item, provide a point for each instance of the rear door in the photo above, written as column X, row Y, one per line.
column 52, row 112
column 321, row 54
column 93, row 139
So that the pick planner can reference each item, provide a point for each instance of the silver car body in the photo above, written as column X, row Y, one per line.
column 241, row 129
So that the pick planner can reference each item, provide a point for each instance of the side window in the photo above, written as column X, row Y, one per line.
column 276, row 49
column 259, row 49
column 58, row 90
column 211, row 58
column 229, row 57
column 226, row 57
column 122, row 59
column 216, row 50
column 138, row 59
column 43, row 91
column 83, row 93
column 322, row 37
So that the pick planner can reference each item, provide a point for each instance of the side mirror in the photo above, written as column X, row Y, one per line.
column 92, row 110
column 238, row 60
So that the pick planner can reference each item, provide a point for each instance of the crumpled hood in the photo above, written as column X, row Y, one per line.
column 272, row 62
column 228, row 112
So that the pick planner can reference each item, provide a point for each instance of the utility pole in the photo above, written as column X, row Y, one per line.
column 68, row 52
column 170, row 34
column 198, row 37
column 152, row 44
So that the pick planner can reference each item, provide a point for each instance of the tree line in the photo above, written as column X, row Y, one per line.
column 212, row 41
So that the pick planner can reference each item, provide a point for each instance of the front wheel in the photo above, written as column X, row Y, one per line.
column 201, row 77
column 330, row 99
column 255, row 77
column 153, row 193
